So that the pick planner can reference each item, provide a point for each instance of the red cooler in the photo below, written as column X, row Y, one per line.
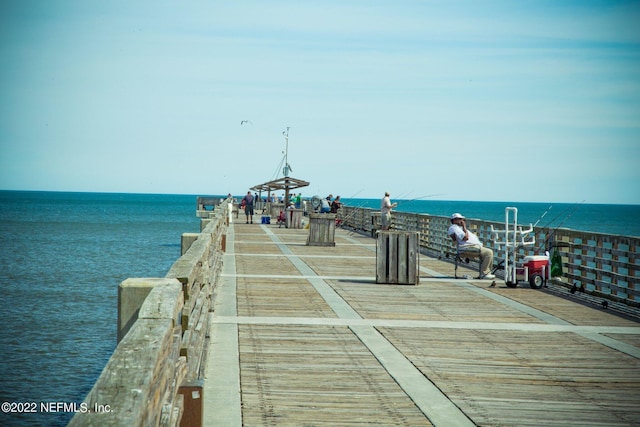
column 538, row 269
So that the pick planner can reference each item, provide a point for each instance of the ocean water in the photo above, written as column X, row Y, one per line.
column 63, row 256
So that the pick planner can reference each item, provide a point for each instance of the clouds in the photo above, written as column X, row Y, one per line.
column 385, row 96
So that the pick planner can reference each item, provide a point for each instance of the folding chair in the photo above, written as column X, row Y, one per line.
column 464, row 254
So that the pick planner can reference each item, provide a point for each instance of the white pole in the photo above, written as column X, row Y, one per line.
column 286, row 153
column 510, row 247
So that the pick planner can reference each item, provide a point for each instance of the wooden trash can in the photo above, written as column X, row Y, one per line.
column 294, row 218
column 276, row 208
column 322, row 229
column 398, row 257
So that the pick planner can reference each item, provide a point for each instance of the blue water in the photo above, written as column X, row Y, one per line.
column 62, row 258
column 63, row 255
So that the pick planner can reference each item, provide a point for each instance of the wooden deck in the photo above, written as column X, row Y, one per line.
column 303, row 336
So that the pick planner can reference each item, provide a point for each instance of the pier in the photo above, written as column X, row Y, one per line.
column 293, row 334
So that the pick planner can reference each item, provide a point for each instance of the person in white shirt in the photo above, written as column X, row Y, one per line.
column 466, row 239
column 385, row 211
column 326, row 204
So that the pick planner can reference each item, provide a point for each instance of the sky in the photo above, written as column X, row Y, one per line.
column 532, row 101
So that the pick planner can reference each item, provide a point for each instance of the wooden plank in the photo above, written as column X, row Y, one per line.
column 301, row 375
column 413, row 269
column 381, row 258
column 403, row 260
column 392, row 257
column 296, row 375
column 511, row 378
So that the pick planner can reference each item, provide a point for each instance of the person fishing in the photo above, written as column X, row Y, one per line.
column 385, row 211
column 466, row 239
column 335, row 205
column 325, row 207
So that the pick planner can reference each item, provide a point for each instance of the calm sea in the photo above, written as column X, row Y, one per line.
column 63, row 256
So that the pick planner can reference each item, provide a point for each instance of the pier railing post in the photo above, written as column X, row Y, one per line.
column 131, row 295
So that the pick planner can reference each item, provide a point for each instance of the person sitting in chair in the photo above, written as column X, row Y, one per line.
column 467, row 240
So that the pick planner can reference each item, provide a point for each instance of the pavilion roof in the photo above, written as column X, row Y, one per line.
column 284, row 183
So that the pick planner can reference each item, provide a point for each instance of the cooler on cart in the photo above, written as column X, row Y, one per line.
column 535, row 270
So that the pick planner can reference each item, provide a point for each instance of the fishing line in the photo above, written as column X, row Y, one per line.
column 355, row 208
column 406, row 202
column 278, row 169
column 560, row 215
column 403, row 195
column 553, row 232
column 543, row 215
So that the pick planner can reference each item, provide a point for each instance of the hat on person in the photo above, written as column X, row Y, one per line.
column 456, row 216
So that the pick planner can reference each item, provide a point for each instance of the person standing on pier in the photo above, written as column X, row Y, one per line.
column 466, row 239
column 385, row 211
column 248, row 206
column 335, row 205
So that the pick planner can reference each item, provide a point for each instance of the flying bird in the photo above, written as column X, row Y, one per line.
column 245, row 121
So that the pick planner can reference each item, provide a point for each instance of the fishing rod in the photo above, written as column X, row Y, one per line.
column 501, row 263
column 354, row 196
column 544, row 245
column 565, row 215
column 403, row 195
column 355, row 208
column 401, row 201
column 562, row 214
column 419, row 198
column 553, row 232
column 543, row 215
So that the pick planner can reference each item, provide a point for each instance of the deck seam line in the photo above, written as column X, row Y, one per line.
column 222, row 392
column 436, row 324
column 307, row 256
column 360, row 278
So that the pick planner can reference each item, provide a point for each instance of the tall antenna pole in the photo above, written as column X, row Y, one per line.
column 286, row 153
